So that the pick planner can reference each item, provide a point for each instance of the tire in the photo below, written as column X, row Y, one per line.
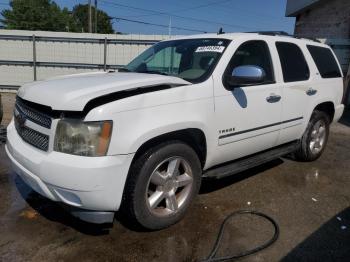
column 155, row 196
column 313, row 142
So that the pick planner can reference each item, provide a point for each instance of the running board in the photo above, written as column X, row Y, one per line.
column 245, row 163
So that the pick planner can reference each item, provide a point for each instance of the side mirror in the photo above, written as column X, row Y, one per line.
column 245, row 75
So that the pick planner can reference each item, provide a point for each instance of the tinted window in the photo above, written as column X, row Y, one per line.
column 254, row 53
column 294, row 66
column 325, row 61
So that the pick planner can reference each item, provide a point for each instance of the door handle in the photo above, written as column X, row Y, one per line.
column 311, row 92
column 273, row 98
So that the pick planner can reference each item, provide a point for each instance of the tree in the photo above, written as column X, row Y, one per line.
column 80, row 16
column 34, row 15
column 46, row 15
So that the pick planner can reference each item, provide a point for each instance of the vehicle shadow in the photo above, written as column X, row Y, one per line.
column 240, row 97
column 209, row 185
column 345, row 119
column 55, row 212
column 331, row 242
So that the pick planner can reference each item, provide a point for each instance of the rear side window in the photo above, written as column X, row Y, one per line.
column 294, row 66
column 325, row 61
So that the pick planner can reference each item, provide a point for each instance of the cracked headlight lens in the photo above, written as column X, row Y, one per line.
column 83, row 138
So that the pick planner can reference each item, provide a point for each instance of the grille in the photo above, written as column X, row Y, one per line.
column 32, row 137
column 32, row 114
column 24, row 112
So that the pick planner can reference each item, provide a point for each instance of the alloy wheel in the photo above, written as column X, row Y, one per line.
column 318, row 137
column 169, row 186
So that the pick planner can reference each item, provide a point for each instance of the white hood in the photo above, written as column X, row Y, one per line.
column 73, row 92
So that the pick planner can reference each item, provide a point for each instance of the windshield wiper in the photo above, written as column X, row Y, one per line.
column 123, row 69
column 153, row 72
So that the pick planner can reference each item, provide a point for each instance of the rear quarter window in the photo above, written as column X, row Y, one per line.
column 293, row 63
column 325, row 61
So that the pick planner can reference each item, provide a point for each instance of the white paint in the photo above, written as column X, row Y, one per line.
column 74, row 91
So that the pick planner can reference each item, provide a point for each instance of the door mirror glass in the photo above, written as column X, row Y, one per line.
column 246, row 75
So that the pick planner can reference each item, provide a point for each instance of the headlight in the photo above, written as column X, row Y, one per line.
column 83, row 138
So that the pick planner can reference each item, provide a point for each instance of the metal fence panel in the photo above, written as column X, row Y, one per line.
column 33, row 55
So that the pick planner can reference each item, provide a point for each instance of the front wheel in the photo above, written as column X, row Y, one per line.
column 161, row 185
column 315, row 137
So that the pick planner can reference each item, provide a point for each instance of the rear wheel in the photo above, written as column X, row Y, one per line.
column 315, row 137
column 161, row 185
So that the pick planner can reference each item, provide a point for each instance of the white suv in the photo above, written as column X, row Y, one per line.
column 206, row 106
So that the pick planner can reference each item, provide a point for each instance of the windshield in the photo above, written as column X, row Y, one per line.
column 190, row 59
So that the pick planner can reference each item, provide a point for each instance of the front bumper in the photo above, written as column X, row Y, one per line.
column 90, row 183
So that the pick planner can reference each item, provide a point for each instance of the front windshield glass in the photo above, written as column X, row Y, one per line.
column 189, row 59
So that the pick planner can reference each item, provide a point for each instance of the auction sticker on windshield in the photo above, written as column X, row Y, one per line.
column 212, row 48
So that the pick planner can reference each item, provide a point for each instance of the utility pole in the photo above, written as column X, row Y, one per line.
column 169, row 29
column 96, row 16
column 90, row 18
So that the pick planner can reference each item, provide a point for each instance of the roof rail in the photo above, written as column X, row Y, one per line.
column 309, row 38
column 282, row 33
column 272, row 33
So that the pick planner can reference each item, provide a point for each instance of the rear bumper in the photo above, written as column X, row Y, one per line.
column 85, row 183
column 338, row 112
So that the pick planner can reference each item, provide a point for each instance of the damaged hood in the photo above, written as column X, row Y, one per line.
column 73, row 92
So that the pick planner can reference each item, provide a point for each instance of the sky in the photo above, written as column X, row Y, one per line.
column 192, row 16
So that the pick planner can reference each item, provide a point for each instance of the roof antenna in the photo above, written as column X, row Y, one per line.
column 221, row 31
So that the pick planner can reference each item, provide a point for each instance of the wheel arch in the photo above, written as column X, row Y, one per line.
column 194, row 137
column 326, row 107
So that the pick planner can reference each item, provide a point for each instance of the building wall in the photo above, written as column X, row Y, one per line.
column 326, row 19
column 296, row 6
